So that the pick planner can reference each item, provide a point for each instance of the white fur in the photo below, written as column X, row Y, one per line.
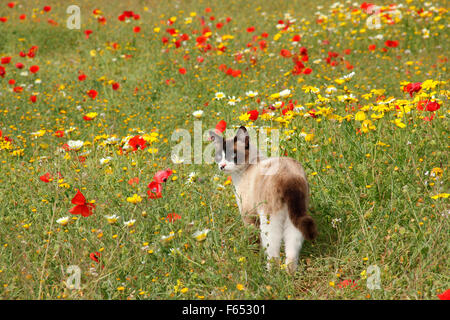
column 227, row 166
column 274, row 229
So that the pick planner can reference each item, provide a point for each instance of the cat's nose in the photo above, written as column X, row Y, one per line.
column 222, row 166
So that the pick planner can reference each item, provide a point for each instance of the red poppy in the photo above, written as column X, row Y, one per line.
column 182, row 71
column 59, row 133
column 296, row 38
column 81, row 207
column 137, row 142
column 82, row 77
column 365, row 6
column 162, row 176
column 115, row 86
column 307, row 71
column 137, row 29
column 11, row 4
column 94, row 256
column 87, row 118
column 5, row 60
column 154, row 190
column 346, row 283
column 372, row 47
column 87, row 33
column 33, row 98
column 101, row 20
column 18, row 89
column 391, row 43
column 285, row 53
column 250, row 29
column 32, row 51
column 47, row 8
column 92, row 93
column 221, row 126
column 2, row 71
column 432, row 106
column 19, row 65
column 3, row 19
column 34, row 69
column 428, row 105
column 253, row 114
column 46, row 177
column 134, row 180
column 171, row 217
column 11, row 82
column 22, row 17
column 412, row 88
column 235, row 73
column 445, row 295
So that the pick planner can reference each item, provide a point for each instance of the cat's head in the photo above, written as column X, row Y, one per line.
column 232, row 154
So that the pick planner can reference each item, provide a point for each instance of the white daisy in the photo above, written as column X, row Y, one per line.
column 112, row 219
column 219, row 96
column 198, row 114
column 232, row 100
column 251, row 94
column 201, row 235
column 63, row 221
column 285, row 93
column 129, row 223
column 75, row 144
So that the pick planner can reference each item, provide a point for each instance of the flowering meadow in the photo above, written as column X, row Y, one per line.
column 94, row 204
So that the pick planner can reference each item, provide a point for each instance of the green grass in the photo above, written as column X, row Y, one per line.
column 371, row 192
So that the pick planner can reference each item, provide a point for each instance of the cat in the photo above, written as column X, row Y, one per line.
column 271, row 193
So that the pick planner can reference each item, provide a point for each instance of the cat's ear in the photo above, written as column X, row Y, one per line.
column 242, row 135
column 214, row 136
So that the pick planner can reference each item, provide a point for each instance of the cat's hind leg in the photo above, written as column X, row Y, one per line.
column 272, row 233
column 293, row 240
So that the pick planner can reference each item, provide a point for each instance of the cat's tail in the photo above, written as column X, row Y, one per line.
column 295, row 196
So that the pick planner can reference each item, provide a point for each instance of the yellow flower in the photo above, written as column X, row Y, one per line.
column 437, row 172
column 201, row 235
column 91, row 115
column 309, row 137
column 184, row 290
column 429, row 84
column 112, row 219
column 367, row 126
column 398, row 122
column 244, row 117
column 134, row 199
column 440, row 195
column 39, row 133
column 360, row 116
column 169, row 237
column 240, row 287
